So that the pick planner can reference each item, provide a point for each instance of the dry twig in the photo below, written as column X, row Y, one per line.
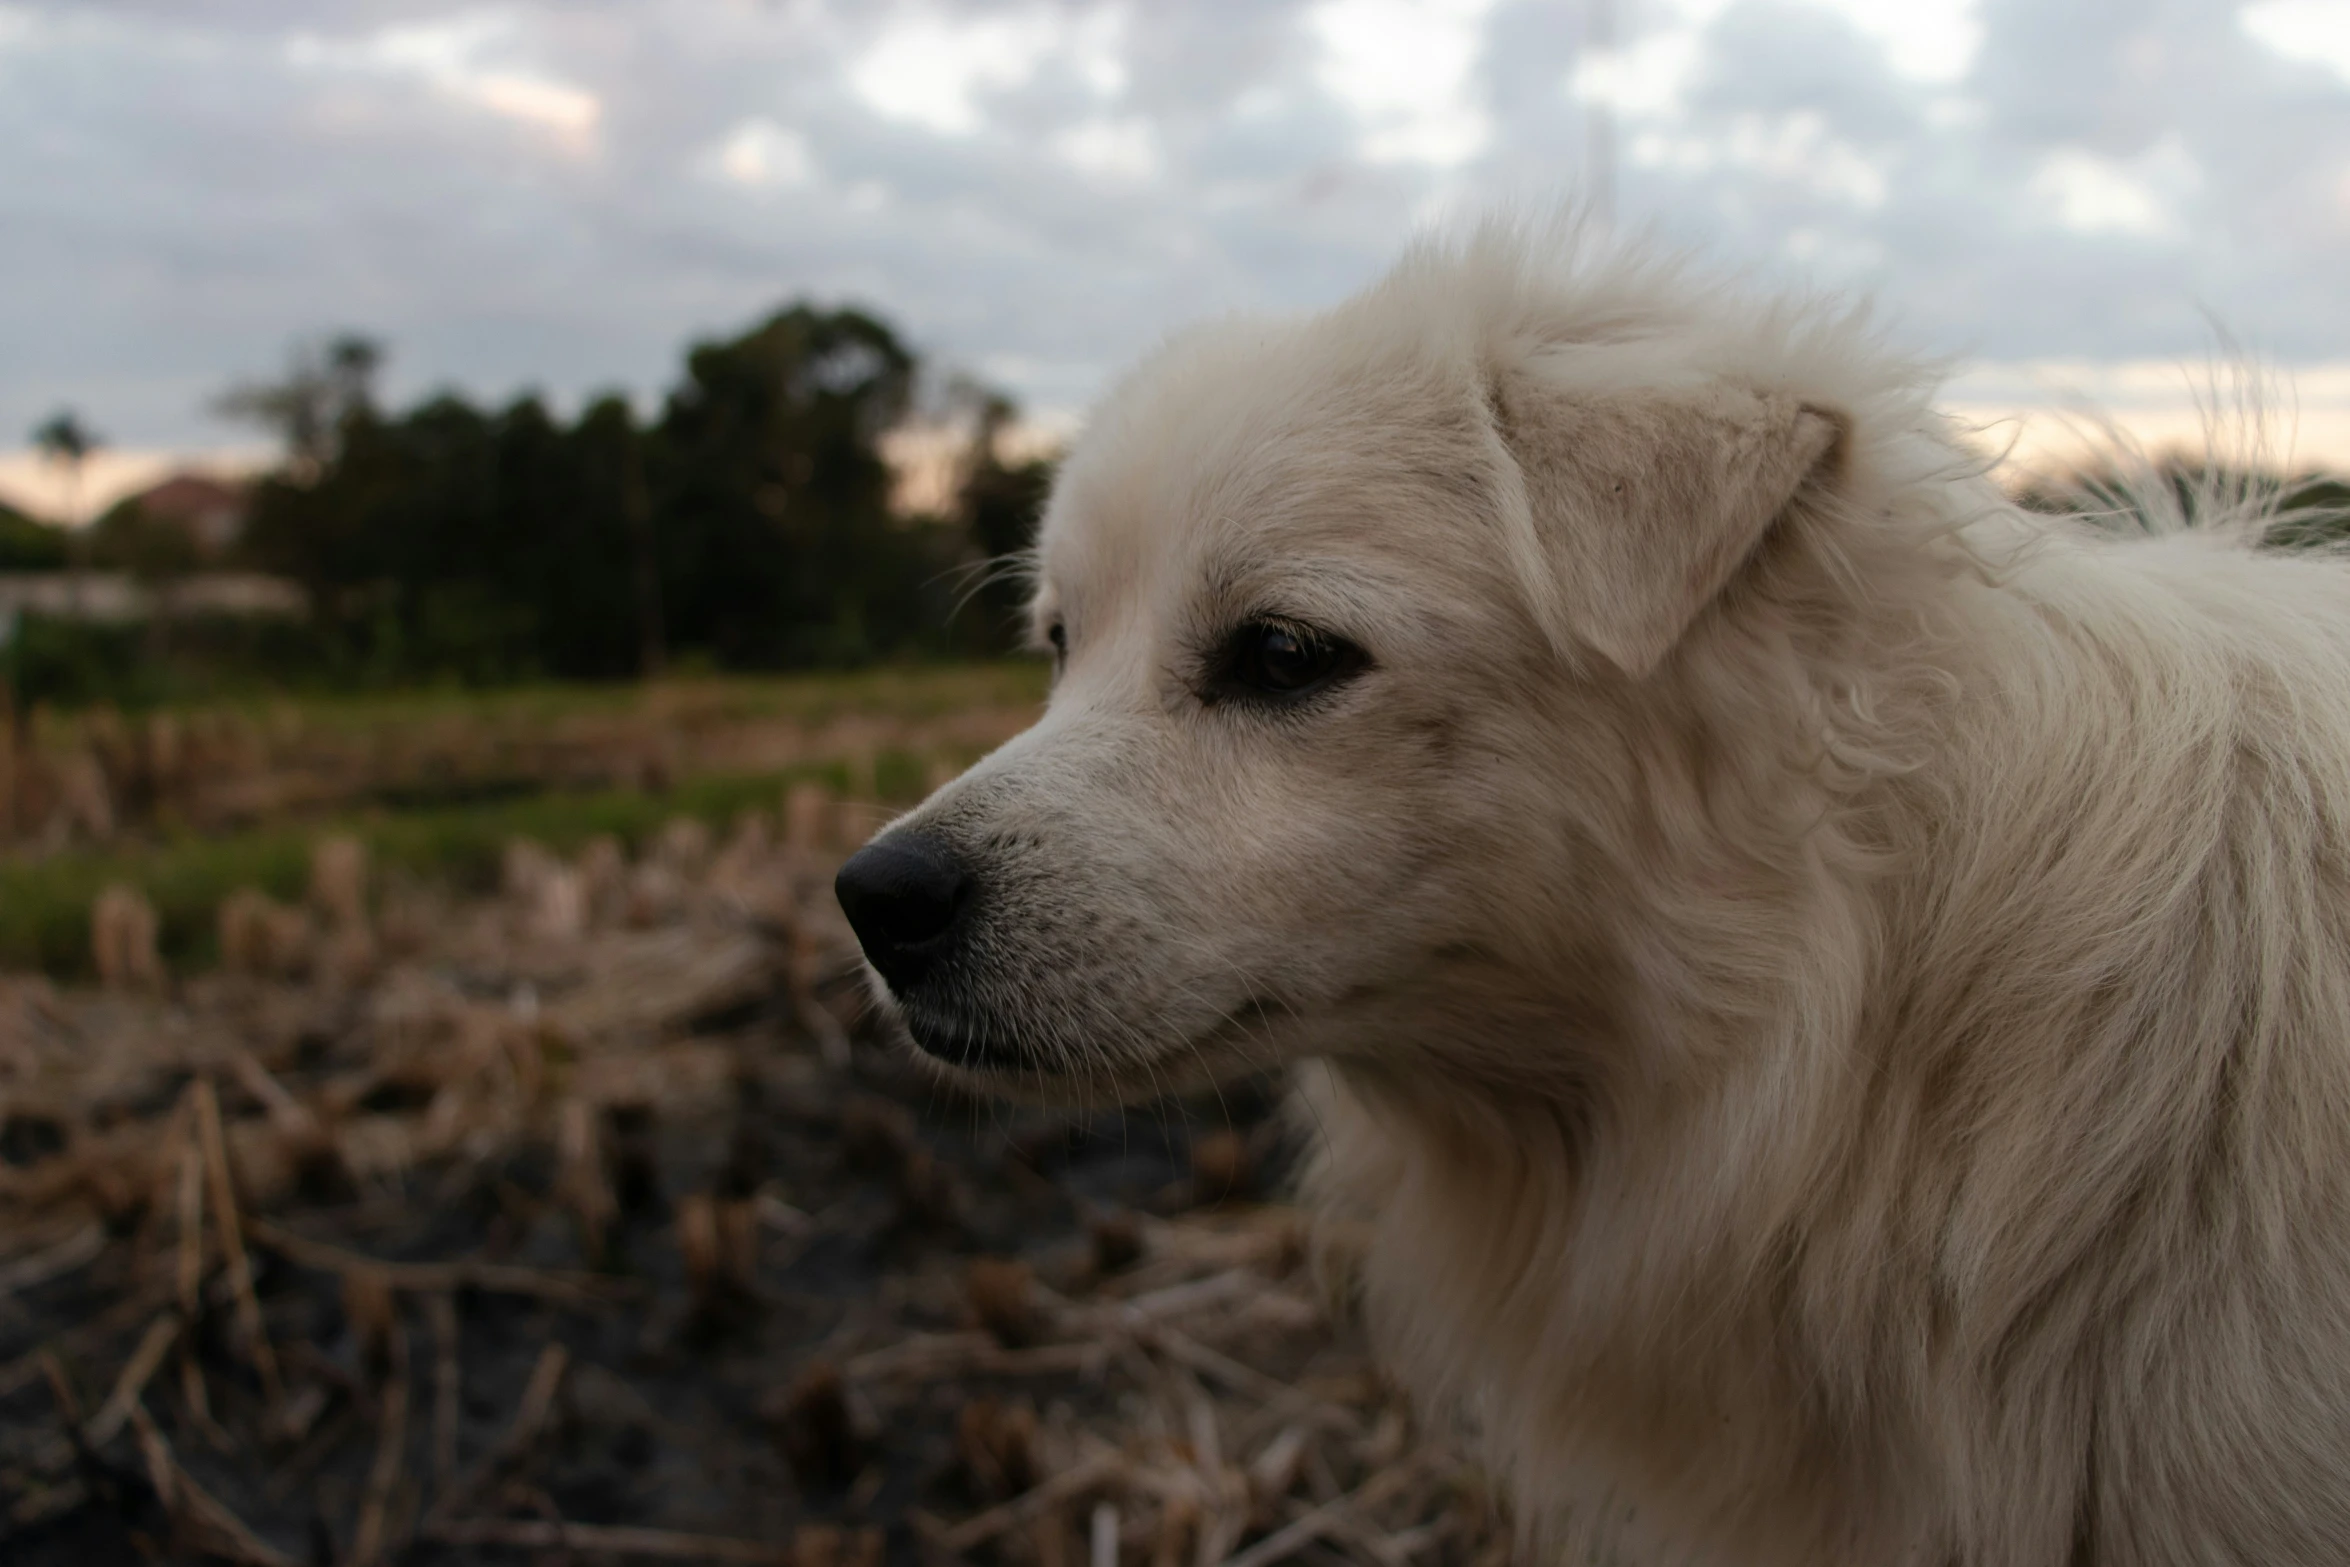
column 1071, row 1482
column 209, row 1527
column 584, row 1289
column 1327, row 1519
column 368, row 1541
column 250, row 1325
column 77, row 1250
column 545, row 1534
column 934, row 1356
column 190, row 1272
column 288, row 1115
column 442, row 1310
column 538, row 1397
column 28, row 1368
column 154, row 1344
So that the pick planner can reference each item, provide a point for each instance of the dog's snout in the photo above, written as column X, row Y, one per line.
column 902, row 893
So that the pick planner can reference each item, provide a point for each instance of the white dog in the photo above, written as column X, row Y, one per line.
column 1832, row 994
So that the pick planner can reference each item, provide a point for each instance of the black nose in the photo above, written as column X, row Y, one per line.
column 901, row 894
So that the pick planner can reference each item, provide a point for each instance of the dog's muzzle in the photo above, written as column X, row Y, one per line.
column 905, row 895
column 912, row 900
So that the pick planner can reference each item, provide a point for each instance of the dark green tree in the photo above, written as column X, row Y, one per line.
column 66, row 441
column 28, row 544
column 772, row 498
column 749, row 526
column 999, row 504
column 324, row 388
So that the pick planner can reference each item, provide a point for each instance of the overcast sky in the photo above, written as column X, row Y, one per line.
column 560, row 196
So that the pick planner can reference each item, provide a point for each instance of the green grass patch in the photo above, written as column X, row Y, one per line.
column 45, row 904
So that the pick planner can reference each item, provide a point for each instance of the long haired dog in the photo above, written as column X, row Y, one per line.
column 1829, row 995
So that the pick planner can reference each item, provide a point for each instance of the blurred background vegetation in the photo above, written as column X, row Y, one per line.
column 763, row 518
column 444, row 628
column 755, row 522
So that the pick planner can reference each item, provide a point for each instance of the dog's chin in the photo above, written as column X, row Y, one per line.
column 973, row 1051
column 992, row 1058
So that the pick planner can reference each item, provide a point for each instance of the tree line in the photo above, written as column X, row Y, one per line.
column 747, row 524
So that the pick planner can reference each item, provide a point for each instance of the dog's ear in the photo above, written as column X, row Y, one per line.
column 1640, row 504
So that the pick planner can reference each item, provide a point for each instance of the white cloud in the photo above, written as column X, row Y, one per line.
column 1797, row 149
column 448, row 56
column 1114, row 148
column 929, row 70
column 1406, row 70
column 2092, row 194
column 1833, row 253
column 2315, row 32
column 1094, row 44
column 1926, row 40
column 1646, row 79
column 1648, row 76
column 438, row 51
column 935, row 69
column 759, row 153
column 555, row 106
column 1041, row 188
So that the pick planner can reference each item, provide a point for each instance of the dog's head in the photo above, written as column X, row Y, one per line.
column 1350, row 619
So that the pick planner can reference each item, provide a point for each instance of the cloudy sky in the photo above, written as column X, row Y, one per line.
column 2070, row 193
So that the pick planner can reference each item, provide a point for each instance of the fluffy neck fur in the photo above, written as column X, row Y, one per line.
column 1967, row 1103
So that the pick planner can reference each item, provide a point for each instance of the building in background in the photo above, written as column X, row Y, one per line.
column 210, row 510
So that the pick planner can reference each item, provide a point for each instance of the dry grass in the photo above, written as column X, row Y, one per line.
column 580, row 1221
column 88, row 778
column 185, row 808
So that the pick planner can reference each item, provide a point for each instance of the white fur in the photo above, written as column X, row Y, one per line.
column 1830, row 996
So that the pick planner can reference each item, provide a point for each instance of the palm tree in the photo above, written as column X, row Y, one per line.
column 325, row 387
column 67, row 442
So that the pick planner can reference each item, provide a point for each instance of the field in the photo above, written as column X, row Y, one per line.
column 188, row 805
column 479, row 1153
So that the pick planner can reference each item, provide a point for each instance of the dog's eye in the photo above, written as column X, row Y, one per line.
column 1284, row 661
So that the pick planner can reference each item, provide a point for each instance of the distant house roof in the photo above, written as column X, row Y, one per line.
column 212, row 510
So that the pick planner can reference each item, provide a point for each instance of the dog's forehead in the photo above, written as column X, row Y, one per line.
column 1240, row 446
